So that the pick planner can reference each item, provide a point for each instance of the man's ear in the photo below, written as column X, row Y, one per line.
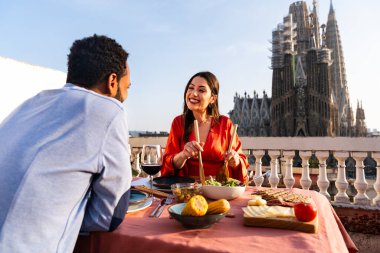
column 112, row 84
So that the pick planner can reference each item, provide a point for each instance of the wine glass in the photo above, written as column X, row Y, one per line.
column 151, row 161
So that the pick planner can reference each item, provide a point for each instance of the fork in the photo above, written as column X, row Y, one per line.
column 168, row 201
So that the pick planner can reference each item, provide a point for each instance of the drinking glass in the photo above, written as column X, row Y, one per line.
column 151, row 162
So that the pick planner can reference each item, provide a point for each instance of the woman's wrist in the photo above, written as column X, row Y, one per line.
column 184, row 156
column 179, row 160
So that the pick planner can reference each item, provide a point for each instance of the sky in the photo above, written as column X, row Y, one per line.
column 170, row 40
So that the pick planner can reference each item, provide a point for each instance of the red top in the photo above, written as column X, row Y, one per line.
column 215, row 146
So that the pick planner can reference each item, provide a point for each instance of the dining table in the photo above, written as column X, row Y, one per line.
column 141, row 233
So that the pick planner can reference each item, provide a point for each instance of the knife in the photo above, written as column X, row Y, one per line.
column 168, row 201
column 158, row 206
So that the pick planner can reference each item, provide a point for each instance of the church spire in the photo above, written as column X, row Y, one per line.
column 331, row 16
column 331, row 7
column 338, row 69
column 314, row 22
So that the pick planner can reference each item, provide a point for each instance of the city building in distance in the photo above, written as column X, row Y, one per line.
column 309, row 87
column 148, row 134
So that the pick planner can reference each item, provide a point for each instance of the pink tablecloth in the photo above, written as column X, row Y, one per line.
column 139, row 233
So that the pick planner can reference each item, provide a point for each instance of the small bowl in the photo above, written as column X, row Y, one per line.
column 184, row 191
column 222, row 192
column 193, row 221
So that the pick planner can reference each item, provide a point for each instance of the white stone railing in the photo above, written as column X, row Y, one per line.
column 285, row 147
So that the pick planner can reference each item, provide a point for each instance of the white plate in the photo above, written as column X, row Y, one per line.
column 139, row 206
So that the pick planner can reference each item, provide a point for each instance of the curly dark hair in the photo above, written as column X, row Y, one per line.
column 93, row 59
column 212, row 109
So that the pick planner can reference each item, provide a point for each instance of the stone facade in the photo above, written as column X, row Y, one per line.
column 309, row 88
column 252, row 114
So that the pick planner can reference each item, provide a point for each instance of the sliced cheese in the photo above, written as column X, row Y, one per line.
column 281, row 211
column 268, row 211
column 256, row 211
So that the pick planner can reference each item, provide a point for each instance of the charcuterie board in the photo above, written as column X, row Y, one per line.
column 274, row 209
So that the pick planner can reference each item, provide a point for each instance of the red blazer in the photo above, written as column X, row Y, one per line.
column 215, row 146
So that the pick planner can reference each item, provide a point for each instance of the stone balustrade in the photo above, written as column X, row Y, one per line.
column 283, row 149
column 376, row 186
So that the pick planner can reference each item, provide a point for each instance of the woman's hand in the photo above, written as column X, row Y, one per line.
column 191, row 149
column 233, row 158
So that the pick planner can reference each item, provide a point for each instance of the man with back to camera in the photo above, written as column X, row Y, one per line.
column 64, row 159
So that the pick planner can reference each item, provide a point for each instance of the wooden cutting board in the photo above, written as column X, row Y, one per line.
column 282, row 223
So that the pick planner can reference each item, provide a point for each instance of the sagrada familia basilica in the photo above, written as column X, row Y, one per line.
column 309, row 87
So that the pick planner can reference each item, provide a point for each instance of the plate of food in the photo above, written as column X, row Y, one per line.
column 197, row 213
column 184, row 191
column 166, row 181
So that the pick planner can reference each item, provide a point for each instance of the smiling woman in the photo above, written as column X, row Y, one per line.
column 215, row 132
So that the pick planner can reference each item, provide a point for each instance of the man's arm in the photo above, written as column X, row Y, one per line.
column 111, row 187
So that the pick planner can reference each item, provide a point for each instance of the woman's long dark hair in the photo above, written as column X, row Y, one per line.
column 212, row 109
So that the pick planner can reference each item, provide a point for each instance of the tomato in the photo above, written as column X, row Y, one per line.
column 305, row 211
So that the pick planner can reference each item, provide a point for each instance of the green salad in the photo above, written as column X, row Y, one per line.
column 231, row 182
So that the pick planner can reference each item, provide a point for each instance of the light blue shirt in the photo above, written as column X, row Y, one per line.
column 64, row 163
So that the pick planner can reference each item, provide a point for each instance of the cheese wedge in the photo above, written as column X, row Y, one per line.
column 256, row 197
column 257, row 202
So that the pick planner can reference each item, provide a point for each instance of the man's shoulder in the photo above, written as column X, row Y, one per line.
column 96, row 99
